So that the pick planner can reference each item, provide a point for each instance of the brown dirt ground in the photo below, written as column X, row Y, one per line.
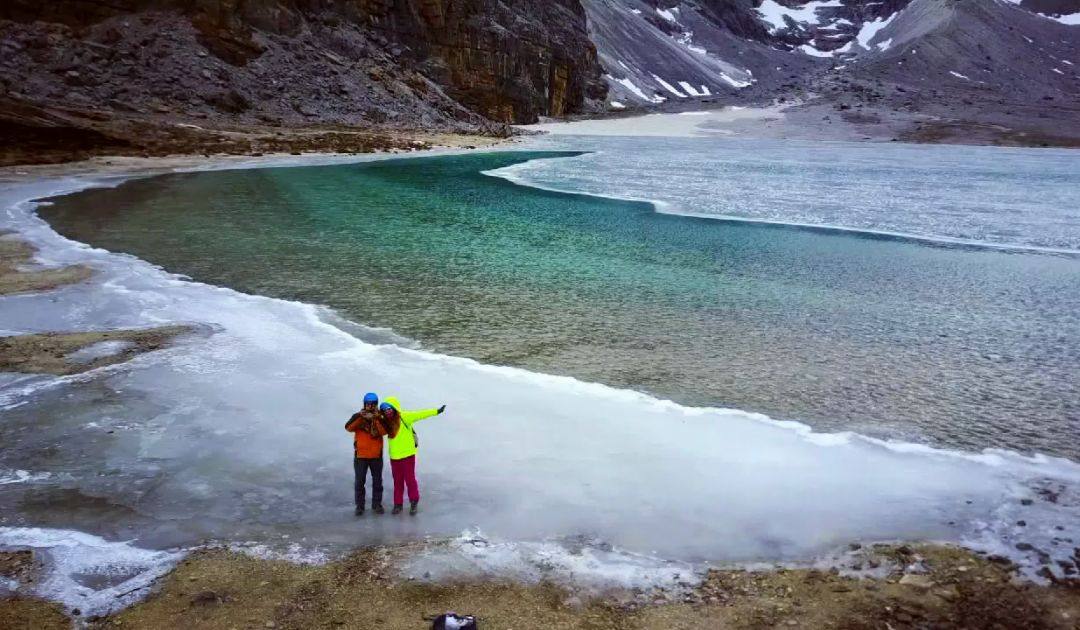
column 219, row 589
column 27, row 614
column 16, row 254
column 163, row 136
column 45, row 353
column 31, row 614
column 17, row 564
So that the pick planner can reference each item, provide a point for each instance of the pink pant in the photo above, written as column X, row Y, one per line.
column 404, row 471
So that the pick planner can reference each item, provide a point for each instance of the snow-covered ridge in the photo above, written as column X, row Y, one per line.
column 828, row 28
column 780, row 17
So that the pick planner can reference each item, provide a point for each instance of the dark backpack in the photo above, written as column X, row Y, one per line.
column 451, row 621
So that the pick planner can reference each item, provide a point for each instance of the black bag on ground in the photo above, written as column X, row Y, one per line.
column 451, row 621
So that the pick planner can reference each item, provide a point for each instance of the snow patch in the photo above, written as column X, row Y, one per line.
column 580, row 561
column 958, row 75
column 687, row 39
column 636, row 91
column 1072, row 19
column 693, row 91
column 21, row 476
column 669, row 87
column 870, row 29
column 774, row 13
column 617, row 105
column 733, row 82
column 814, row 52
column 668, row 14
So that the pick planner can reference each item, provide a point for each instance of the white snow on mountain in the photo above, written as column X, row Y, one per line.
column 870, row 30
column 635, row 90
column 774, row 13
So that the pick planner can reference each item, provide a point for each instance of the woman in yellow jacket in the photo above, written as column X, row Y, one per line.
column 403, row 450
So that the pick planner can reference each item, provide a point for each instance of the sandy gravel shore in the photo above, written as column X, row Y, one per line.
column 812, row 120
column 912, row 587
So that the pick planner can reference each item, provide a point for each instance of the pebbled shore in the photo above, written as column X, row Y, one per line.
column 923, row 586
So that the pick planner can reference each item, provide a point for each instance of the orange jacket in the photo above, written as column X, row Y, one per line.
column 368, row 429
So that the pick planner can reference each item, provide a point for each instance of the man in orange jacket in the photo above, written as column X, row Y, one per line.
column 368, row 429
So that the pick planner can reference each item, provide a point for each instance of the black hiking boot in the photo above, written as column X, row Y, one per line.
column 413, row 508
column 359, row 510
column 396, row 510
column 378, row 509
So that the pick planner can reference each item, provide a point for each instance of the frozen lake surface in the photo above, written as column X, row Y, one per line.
column 235, row 434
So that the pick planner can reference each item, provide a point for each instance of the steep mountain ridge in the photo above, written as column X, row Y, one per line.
column 158, row 75
column 134, row 70
column 748, row 48
column 989, row 47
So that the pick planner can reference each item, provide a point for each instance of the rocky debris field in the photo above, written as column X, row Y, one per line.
column 936, row 115
column 923, row 586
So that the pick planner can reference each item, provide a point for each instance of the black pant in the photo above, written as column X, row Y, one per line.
column 360, row 468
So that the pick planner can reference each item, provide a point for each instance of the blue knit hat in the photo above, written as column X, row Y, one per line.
column 370, row 397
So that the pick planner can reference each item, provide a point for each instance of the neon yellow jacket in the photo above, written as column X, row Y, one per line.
column 403, row 444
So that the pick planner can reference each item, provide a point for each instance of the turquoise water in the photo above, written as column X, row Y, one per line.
column 959, row 346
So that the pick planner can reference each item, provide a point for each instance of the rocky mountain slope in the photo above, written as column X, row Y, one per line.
column 654, row 51
column 673, row 52
column 95, row 72
column 84, row 76
column 977, row 46
column 976, row 70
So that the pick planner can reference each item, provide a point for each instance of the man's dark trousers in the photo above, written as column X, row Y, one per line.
column 361, row 467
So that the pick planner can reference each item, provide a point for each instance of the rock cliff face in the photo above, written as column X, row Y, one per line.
column 510, row 61
column 153, row 74
column 437, row 65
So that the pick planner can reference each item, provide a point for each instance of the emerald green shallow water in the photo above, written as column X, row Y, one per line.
column 964, row 347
